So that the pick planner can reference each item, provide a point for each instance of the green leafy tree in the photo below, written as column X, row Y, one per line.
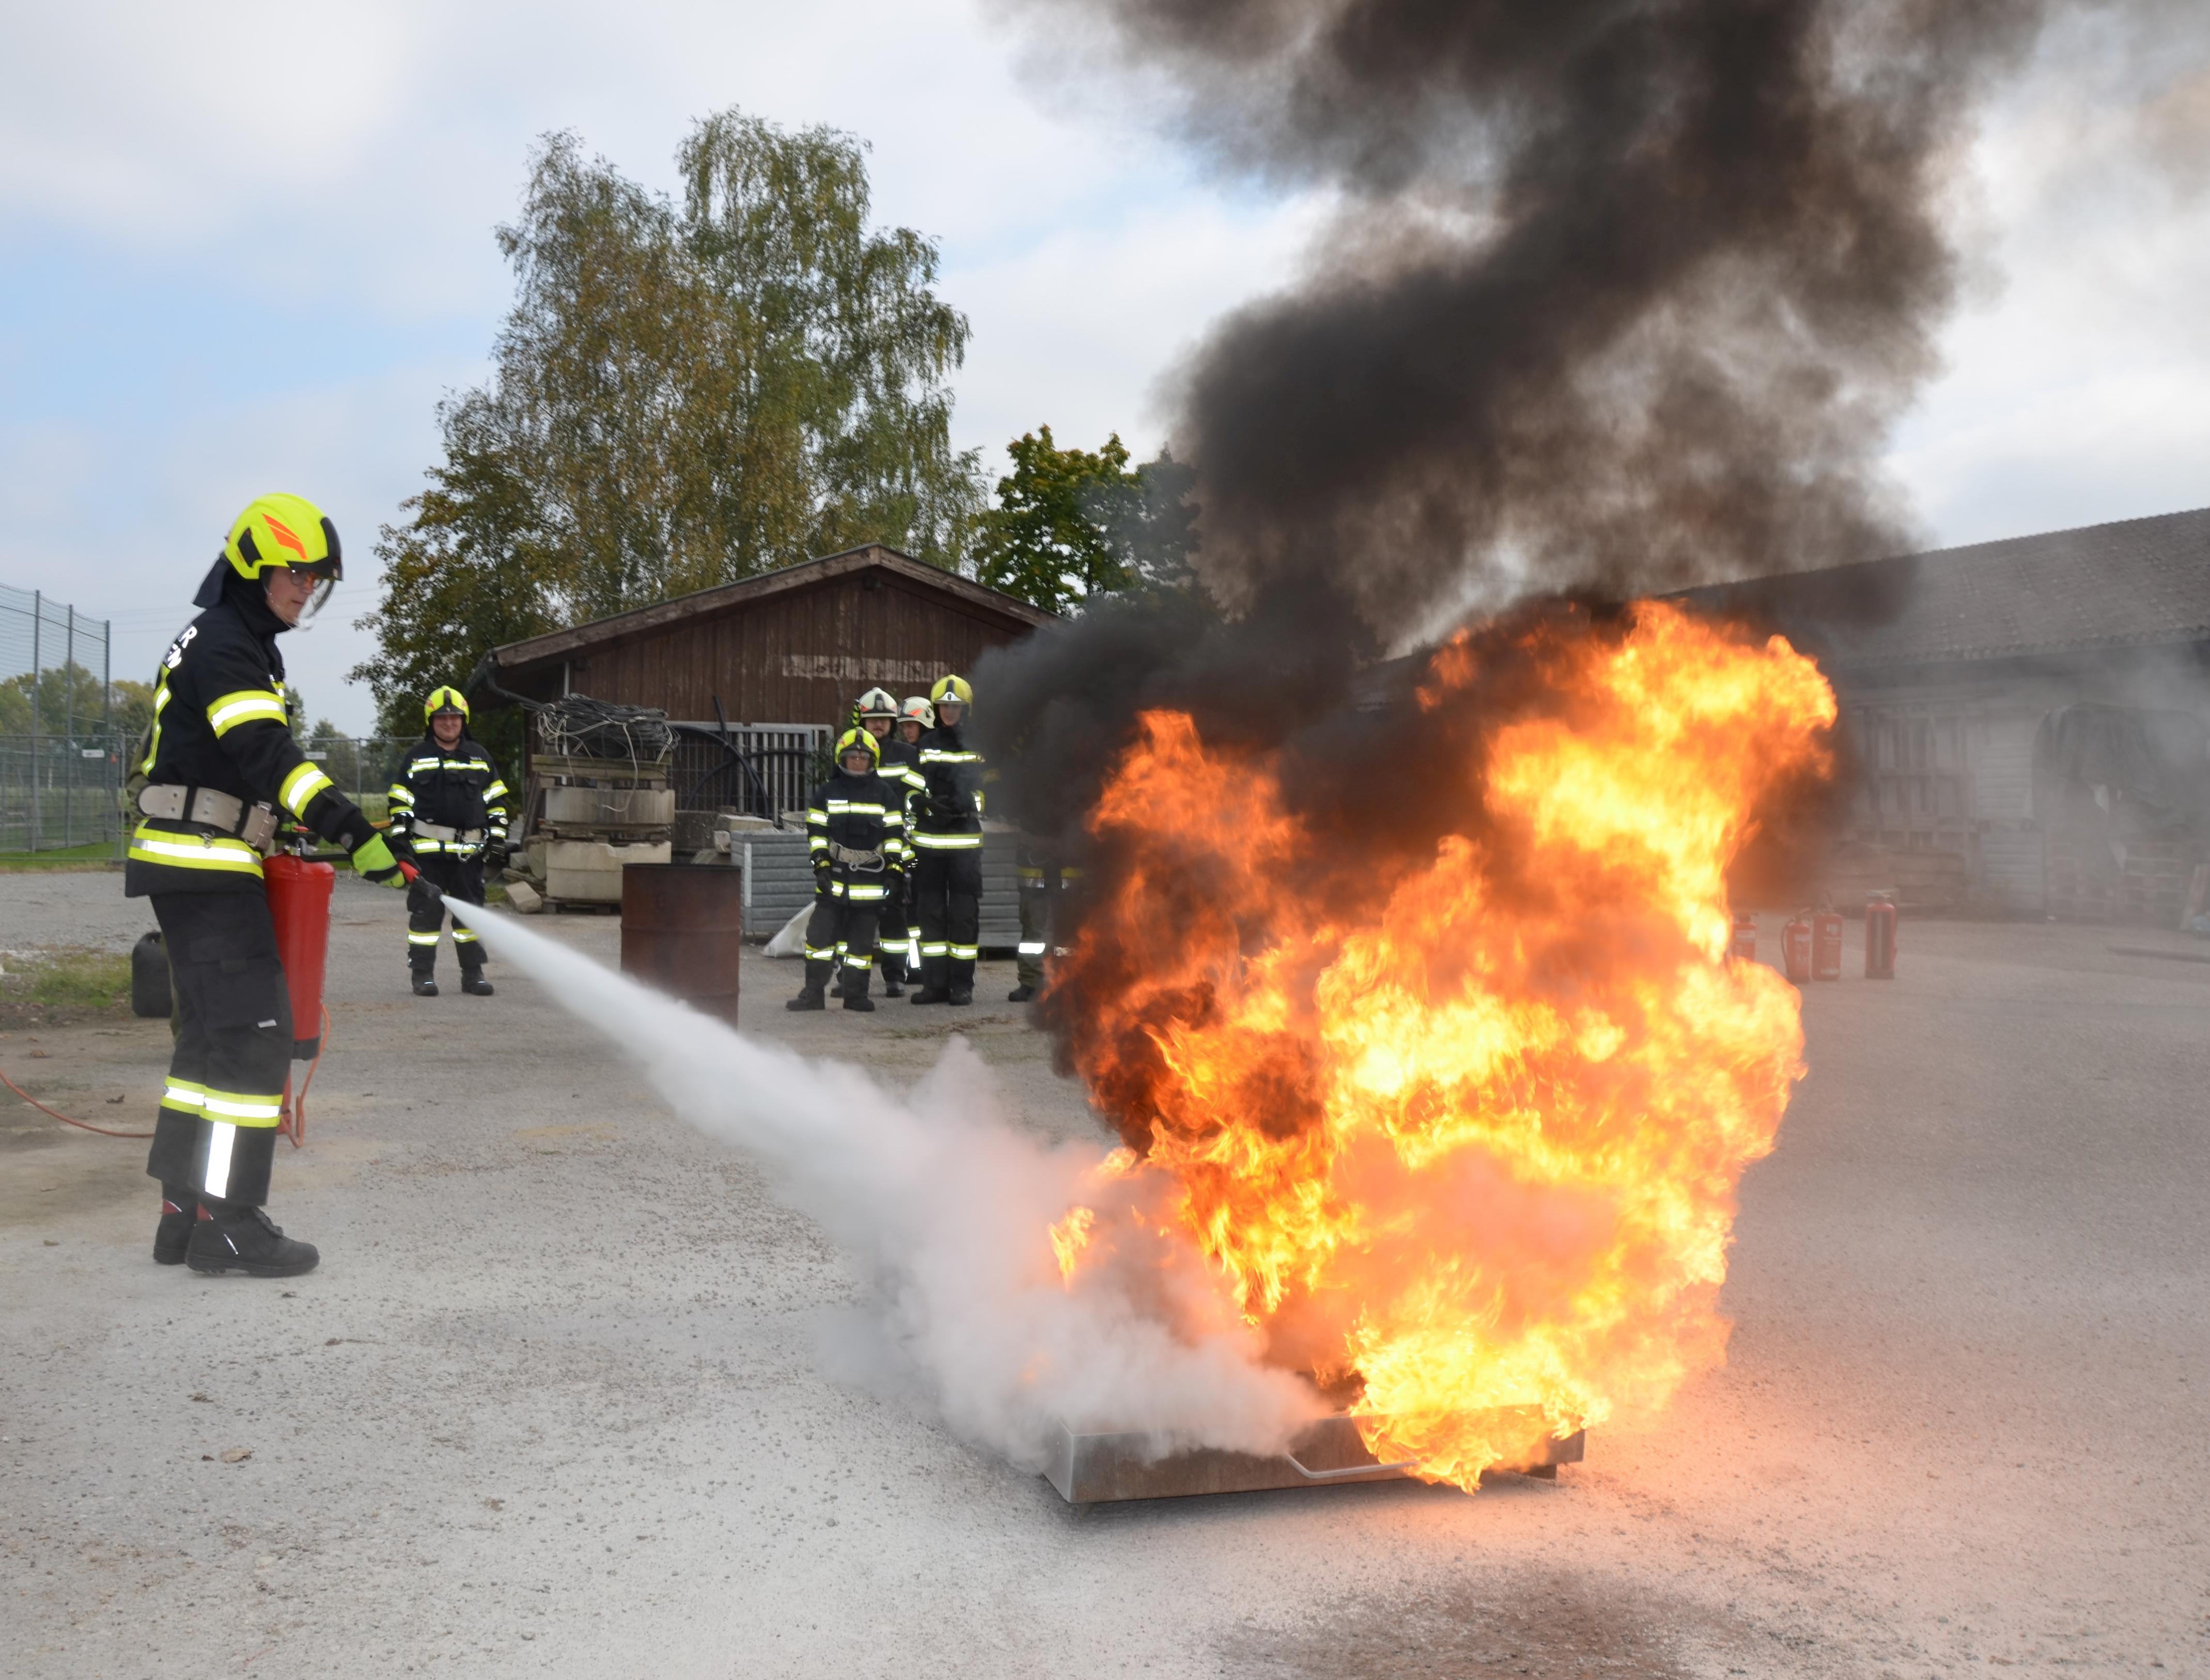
column 69, row 703
column 684, row 394
column 132, row 707
column 1070, row 523
column 467, row 573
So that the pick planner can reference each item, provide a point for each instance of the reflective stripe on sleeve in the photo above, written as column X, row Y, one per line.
column 301, row 786
column 247, row 706
column 946, row 843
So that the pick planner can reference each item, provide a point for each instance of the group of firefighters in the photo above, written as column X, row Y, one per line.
column 895, row 836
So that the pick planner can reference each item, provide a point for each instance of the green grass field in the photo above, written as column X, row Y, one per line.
column 51, row 987
column 98, row 855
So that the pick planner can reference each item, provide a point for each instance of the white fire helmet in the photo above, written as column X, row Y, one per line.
column 916, row 710
column 878, row 702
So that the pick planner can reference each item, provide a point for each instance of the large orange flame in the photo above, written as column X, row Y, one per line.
column 1469, row 1154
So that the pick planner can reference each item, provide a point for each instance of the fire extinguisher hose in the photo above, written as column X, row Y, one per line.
column 105, row 1131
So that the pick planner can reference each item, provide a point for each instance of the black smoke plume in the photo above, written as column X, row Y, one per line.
column 1621, row 296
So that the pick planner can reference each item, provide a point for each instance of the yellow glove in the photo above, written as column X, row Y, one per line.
column 373, row 859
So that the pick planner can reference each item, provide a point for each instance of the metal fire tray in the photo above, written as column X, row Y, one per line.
column 1089, row 1468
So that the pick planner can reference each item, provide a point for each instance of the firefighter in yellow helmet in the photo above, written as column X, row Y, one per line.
column 900, row 766
column 947, row 841
column 855, row 837
column 448, row 814
column 218, row 773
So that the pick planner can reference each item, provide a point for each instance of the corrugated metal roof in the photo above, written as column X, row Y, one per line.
column 2136, row 582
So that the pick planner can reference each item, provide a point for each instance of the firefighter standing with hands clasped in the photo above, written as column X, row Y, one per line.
column 856, row 834
column 948, row 851
column 220, row 764
column 449, row 813
column 900, row 766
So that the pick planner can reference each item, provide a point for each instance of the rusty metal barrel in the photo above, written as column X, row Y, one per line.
column 683, row 929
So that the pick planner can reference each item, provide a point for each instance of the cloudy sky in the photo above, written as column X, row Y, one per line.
column 248, row 246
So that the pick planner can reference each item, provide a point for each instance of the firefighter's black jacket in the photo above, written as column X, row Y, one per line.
column 460, row 790
column 950, row 803
column 860, row 814
column 901, row 765
column 219, row 722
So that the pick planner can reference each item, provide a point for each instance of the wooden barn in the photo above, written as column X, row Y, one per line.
column 772, row 665
column 2030, row 718
column 789, row 647
column 781, row 656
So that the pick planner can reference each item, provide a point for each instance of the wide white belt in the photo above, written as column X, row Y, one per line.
column 210, row 807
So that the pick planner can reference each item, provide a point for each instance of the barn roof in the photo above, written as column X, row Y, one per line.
column 726, row 598
column 2138, row 583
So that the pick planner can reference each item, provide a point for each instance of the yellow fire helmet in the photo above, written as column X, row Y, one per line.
column 858, row 741
column 448, row 698
column 954, row 689
column 916, row 710
column 279, row 531
column 878, row 702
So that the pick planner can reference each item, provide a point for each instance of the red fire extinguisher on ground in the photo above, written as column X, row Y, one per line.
column 299, row 904
column 1827, row 945
column 1744, row 948
column 1880, row 937
column 1796, row 948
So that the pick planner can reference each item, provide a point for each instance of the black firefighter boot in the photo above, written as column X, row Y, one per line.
column 811, row 996
column 232, row 1238
column 426, row 983
column 473, row 984
column 180, row 1208
column 893, row 966
column 854, row 989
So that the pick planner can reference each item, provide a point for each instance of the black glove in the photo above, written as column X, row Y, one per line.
column 495, row 855
column 823, row 874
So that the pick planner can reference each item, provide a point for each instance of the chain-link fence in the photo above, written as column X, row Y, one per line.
column 60, row 760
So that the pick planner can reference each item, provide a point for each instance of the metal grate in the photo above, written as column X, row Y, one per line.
column 763, row 770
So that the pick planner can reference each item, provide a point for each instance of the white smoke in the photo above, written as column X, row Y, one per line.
column 950, row 1205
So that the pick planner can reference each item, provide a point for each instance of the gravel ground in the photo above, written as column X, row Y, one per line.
column 562, row 1398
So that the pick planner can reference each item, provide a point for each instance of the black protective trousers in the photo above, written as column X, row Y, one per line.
column 840, row 934
column 947, row 888
column 216, row 1133
column 457, row 877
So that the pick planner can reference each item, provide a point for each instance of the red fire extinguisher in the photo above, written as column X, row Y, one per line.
column 1880, row 937
column 1796, row 947
column 1827, row 945
column 1745, row 936
column 299, row 904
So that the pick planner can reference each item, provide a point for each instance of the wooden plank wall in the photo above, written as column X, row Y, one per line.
column 796, row 658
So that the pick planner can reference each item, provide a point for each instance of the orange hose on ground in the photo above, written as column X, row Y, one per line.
column 298, row 1136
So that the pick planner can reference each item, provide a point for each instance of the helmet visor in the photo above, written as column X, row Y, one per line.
column 326, row 574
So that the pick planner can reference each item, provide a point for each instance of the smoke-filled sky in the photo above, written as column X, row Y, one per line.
column 251, row 247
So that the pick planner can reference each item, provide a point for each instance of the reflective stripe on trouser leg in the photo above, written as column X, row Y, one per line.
column 1034, row 898
column 962, row 926
column 460, row 879
column 824, row 929
column 859, row 946
column 215, row 1130
column 930, row 886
